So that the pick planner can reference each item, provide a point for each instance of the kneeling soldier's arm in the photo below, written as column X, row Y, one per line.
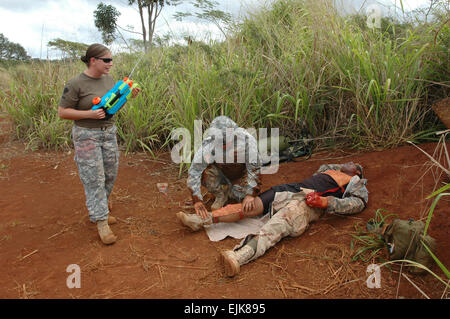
column 194, row 179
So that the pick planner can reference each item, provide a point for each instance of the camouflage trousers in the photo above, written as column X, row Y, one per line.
column 291, row 217
column 97, row 159
column 215, row 181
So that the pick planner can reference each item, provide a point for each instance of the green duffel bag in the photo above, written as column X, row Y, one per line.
column 404, row 240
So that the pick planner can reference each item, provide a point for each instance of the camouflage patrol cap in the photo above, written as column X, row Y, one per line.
column 223, row 122
column 220, row 125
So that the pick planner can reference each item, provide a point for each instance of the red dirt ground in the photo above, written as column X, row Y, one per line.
column 44, row 228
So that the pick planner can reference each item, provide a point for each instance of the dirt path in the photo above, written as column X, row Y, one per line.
column 44, row 228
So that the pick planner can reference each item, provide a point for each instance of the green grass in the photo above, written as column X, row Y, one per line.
column 369, row 246
column 31, row 102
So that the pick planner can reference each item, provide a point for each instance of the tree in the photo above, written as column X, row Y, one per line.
column 105, row 18
column 153, row 9
column 149, row 11
column 208, row 12
column 12, row 51
column 69, row 49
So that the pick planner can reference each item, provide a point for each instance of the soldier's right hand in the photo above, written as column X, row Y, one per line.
column 97, row 114
column 200, row 210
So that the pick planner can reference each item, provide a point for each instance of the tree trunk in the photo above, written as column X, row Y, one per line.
column 144, row 32
column 151, row 28
column 153, row 12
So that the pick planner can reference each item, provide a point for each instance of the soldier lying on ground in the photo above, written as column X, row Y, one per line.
column 225, row 177
column 334, row 188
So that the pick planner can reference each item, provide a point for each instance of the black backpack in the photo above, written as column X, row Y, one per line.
column 295, row 149
column 289, row 150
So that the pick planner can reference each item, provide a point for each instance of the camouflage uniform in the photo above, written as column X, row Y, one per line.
column 355, row 196
column 97, row 158
column 238, row 173
column 290, row 216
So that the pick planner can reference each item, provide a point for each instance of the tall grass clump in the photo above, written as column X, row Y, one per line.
column 144, row 123
column 298, row 66
column 32, row 101
column 369, row 85
column 4, row 79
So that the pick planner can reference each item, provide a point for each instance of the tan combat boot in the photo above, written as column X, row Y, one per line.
column 221, row 198
column 194, row 221
column 105, row 233
column 111, row 220
column 232, row 260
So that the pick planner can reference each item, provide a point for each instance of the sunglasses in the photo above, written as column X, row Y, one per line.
column 106, row 60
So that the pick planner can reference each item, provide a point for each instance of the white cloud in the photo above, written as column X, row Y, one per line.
column 34, row 23
column 409, row 4
column 386, row 6
column 71, row 20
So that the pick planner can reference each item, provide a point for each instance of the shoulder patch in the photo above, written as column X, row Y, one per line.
column 66, row 89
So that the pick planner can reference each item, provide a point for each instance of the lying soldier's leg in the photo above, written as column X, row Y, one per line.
column 228, row 214
column 234, row 212
column 193, row 221
column 292, row 220
column 261, row 206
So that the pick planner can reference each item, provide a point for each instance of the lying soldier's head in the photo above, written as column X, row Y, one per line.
column 352, row 169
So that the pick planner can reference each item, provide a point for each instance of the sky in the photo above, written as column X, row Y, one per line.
column 33, row 23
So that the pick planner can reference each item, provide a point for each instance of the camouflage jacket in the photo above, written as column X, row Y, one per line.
column 355, row 197
column 247, row 150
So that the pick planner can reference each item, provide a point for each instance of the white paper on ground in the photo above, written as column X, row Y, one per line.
column 238, row 230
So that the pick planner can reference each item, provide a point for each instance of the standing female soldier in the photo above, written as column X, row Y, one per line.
column 94, row 137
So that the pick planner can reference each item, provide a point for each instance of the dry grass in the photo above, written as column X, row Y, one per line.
column 97, row 264
column 5, row 78
column 26, row 290
column 439, row 162
column 328, row 273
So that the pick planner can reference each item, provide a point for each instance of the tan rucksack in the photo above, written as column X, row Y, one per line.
column 404, row 239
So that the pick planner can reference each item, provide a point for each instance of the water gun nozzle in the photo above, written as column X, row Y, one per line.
column 96, row 100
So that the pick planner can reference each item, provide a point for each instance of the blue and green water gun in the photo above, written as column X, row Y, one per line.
column 115, row 98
